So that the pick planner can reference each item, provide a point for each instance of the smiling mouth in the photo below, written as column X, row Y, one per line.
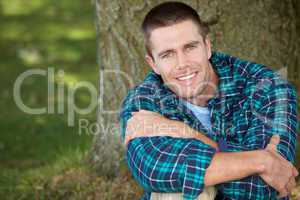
column 187, row 77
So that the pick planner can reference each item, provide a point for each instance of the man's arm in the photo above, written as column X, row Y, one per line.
column 272, row 168
column 145, row 123
column 163, row 164
column 224, row 167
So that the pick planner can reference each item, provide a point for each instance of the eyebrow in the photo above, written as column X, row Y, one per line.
column 186, row 45
column 192, row 43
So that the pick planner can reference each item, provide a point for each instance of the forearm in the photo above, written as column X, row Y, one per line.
column 223, row 167
column 182, row 130
column 189, row 165
column 152, row 124
column 233, row 166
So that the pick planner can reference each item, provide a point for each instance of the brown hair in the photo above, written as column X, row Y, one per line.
column 167, row 14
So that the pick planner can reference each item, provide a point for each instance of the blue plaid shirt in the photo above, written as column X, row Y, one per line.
column 252, row 104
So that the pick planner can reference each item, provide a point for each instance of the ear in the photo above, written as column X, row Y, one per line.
column 151, row 63
column 208, row 46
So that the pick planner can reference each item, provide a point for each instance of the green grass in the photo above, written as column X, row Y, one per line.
column 17, row 182
column 69, row 177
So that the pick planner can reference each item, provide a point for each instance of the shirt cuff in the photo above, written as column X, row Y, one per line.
column 199, row 156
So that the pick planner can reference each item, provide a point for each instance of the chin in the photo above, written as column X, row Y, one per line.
column 186, row 95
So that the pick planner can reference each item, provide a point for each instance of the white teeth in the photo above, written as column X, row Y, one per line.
column 187, row 77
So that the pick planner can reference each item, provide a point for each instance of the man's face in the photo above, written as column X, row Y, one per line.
column 181, row 57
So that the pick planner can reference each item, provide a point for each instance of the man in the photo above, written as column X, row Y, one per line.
column 202, row 118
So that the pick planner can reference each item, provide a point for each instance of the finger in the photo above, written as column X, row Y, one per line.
column 146, row 111
column 272, row 146
column 127, row 139
column 282, row 194
column 133, row 113
column 291, row 185
column 275, row 139
column 295, row 171
column 292, row 168
column 130, row 126
column 139, row 113
column 281, row 188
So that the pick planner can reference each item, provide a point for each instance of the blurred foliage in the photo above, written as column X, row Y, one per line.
column 42, row 34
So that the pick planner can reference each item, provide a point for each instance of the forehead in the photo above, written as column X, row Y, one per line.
column 175, row 35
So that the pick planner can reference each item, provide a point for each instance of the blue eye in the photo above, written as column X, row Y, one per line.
column 191, row 47
column 165, row 56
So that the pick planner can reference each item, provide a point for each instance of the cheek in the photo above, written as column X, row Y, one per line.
column 168, row 75
column 200, row 54
column 202, row 63
column 165, row 69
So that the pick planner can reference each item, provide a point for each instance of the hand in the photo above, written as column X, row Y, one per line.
column 278, row 172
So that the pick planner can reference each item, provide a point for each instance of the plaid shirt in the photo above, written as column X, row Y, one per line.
column 252, row 104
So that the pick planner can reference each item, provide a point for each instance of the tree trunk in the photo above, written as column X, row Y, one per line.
column 264, row 31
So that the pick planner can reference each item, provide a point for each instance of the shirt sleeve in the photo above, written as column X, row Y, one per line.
column 274, row 111
column 164, row 164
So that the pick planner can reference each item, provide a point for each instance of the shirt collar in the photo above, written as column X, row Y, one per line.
column 223, row 66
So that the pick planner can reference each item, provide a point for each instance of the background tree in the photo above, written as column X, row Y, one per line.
column 266, row 32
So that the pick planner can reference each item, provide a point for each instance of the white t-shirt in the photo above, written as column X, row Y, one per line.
column 202, row 114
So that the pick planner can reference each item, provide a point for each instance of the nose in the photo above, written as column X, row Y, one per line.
column 181, row 60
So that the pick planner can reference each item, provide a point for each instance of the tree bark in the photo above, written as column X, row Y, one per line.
column 264, row 31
